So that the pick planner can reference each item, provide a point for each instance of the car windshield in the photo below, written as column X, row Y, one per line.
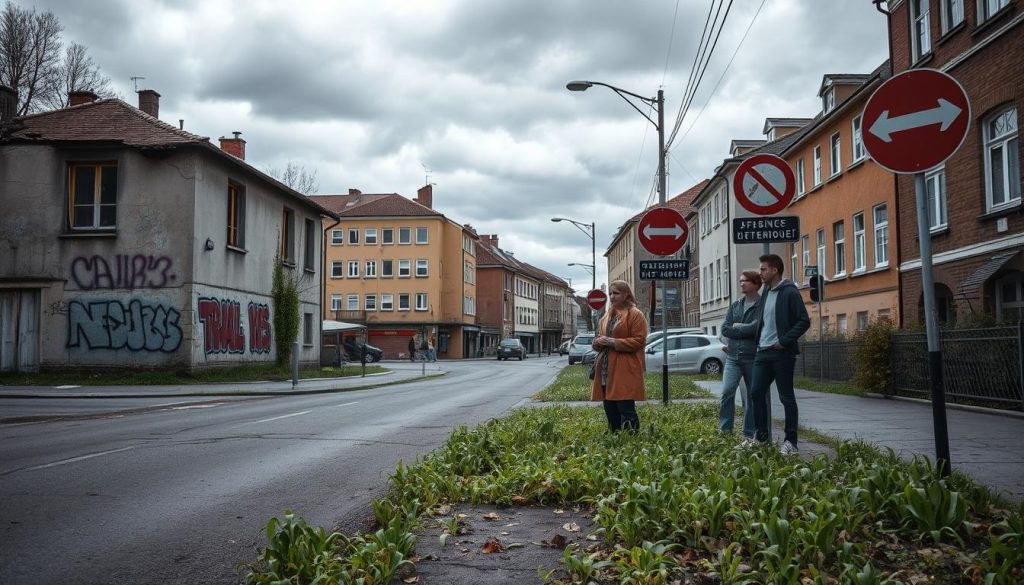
column 584, row 340
column 509, row 343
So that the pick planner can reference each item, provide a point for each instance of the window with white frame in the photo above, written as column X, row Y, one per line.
column 920, row 29
column 387, row 268
column 353, row 302
column 714, row 209
column 421, row 301
column 387, row 302
column 829, row 100
column 387, row 236
column 353, row 268
column 353, row 237
column 421, row 235
column 337, row 270
column 404, row 269
column 371, row 269
column 835, row 156
column 859, row 243
column 820, row 237
column 370, row 302
column 857, row 141
column 862, row 320
column 839, row 248
column 404, row 235
column 841, row 324
column 817, row 165
column 718, row 278
column 952, row 14
column 469, row 272
column 792, row 259
column 335, row 302
column 337, row 237
column 800, row 176
column 988, row 8
column 1002, row 159
column 421, row 268
column 935, row 188
column 370, row 236
column 403, row 301
column 805, row 252
column 880, row 214
column 724, row 211
column 469, row 305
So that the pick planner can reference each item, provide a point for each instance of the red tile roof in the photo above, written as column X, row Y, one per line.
column 388, row 206
column 340, row 203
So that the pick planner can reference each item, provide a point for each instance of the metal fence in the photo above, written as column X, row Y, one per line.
column 828, row 360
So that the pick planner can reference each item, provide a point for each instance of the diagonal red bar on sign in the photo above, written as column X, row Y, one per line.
column 764, row 183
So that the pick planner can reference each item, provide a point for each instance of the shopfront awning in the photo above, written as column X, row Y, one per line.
column 978, row 278
column 341, row 326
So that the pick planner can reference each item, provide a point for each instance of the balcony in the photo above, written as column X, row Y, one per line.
column 350, row 316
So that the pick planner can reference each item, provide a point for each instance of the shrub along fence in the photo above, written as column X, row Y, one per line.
column 980, row 366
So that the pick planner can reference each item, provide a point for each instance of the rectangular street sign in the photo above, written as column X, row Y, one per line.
column 766, row 230
column 664, row 269
column 810, row 271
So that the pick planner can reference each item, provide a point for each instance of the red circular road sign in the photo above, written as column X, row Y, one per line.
column 662, row 231
column 764, row 184
column 596, row 299
column 915, row 120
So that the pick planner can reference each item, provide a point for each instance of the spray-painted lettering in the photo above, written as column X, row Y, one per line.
column 135, row 326
column 222, row 326
column 122, row 271
column 259, row 328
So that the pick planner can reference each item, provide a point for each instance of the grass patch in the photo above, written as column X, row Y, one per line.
column 250, row 373
column 572, row 384
column 816, row 385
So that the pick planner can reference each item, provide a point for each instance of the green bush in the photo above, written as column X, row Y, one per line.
column 284, row 295
column 873, row 357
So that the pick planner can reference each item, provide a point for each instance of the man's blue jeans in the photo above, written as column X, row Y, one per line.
column 735, row 370
column 774, row 365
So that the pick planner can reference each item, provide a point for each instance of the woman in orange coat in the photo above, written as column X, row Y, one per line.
column 619, row 371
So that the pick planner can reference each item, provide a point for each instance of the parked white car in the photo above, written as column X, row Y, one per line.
column 655, row 333
column 688, row 353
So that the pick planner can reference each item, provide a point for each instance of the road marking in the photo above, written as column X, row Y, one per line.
column 197, row 406
column 68, row 387
column 80, row 458
column 279, row 417
column 346, row 404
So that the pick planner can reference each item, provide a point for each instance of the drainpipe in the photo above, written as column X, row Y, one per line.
column 323, row 268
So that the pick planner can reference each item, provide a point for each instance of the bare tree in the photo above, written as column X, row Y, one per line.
column 29, row 54
column 77, row 72
column 297, row 177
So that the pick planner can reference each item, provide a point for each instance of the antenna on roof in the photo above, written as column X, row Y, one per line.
column 135, row 82
column 426, row 179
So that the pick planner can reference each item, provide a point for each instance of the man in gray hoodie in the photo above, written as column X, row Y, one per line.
column 783, row 319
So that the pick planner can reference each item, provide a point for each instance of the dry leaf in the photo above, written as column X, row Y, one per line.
column 413, row 579
column 520, row 500
column 491, row 516
column 591, row 537
column 492, row 545
column 465, row 550
column 557, row 541
column 571, row 526
column 443, row 510
column 559, row 511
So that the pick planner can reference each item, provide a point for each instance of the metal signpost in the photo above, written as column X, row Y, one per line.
column 912, row 123
column 662, row 231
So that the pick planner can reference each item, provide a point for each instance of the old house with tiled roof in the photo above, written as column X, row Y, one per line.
column 128, row 242
column 402, row 269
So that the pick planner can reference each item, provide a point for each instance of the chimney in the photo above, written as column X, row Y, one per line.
column 354, row 192
column 425, row 196
column 491, row 239
column 149, row 102
column 8, row 104
column 81, row 96
column 233, row 146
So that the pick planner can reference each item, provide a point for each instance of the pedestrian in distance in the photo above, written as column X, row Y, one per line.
column 738, row 329
column 432, row 347
column 619, row 365
column 412, row 348
column 424, row 349
column 783, row 319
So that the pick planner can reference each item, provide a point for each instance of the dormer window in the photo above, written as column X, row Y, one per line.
column 829, row 100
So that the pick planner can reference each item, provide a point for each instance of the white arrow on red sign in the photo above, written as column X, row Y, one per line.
column 673, row 232
column 945, row 114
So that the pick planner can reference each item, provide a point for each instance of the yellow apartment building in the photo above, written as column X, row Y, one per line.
column 402, row 269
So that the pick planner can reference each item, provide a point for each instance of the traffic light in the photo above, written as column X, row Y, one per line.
column 817, row 286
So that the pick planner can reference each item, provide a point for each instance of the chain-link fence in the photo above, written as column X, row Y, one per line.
column 828, row 360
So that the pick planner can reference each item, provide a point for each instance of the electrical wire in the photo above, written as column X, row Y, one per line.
column 697, row 57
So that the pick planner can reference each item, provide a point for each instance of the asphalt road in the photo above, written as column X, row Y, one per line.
column 181, row 493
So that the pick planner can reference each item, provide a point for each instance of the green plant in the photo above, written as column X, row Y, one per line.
column 647, row 564
column 297, row 553
column 873, row 356
column 584, row 568
column 935, row 509
column 284, row 296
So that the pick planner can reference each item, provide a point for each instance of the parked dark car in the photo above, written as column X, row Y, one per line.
column 353, row 348
column 511, row 348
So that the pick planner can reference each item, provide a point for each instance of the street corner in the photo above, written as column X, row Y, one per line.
column 466, row 544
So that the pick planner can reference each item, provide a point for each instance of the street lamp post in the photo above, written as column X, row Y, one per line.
column 587, row 228
column 659, row 103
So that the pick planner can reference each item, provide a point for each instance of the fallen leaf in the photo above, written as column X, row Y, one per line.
column 515, row 545
column 571, row 526
column 465, row 550
column 443, row 510
column 591, row 537
column 413, row 579
column 492, row 545
column 491, row 516
column 557, row 541
column 520, row 500
column 512, row 524
column 505, row 533
column 559, row 511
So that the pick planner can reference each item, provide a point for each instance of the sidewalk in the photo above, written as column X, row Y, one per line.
column 399, row 371
column 988, row 447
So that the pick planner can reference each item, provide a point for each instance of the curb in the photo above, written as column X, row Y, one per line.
column 953, row 405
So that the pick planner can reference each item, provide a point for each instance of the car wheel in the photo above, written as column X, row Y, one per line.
column 711, row 366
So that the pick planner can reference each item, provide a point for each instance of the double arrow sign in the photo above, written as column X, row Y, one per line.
column 945, row 114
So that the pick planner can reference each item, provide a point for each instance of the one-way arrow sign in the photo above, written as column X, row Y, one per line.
column 673, row 232
column 945, row 114
column 662, row 231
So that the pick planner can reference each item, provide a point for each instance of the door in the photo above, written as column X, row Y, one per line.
column 686, row 354
column 19, row 331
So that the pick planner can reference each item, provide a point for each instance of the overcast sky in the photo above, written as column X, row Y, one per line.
column 370, row 92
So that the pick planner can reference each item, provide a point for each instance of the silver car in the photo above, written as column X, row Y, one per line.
column 580, row 347
column 688, row 353
column 655, row 333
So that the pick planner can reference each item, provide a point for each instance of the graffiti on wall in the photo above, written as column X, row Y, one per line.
column 134, row 326
column 259, row 328
column 222, row 326
column 130, row 271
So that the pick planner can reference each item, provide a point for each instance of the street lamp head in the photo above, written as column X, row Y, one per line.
column 578, row 85
column 556, row 219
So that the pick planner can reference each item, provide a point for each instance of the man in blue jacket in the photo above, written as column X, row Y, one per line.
column 738, row 329
column 783, row 320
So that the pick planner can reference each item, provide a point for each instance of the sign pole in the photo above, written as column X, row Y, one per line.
column 931, row 325
column 821, row 345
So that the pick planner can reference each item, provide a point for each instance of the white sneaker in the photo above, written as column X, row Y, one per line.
column 788, row 448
